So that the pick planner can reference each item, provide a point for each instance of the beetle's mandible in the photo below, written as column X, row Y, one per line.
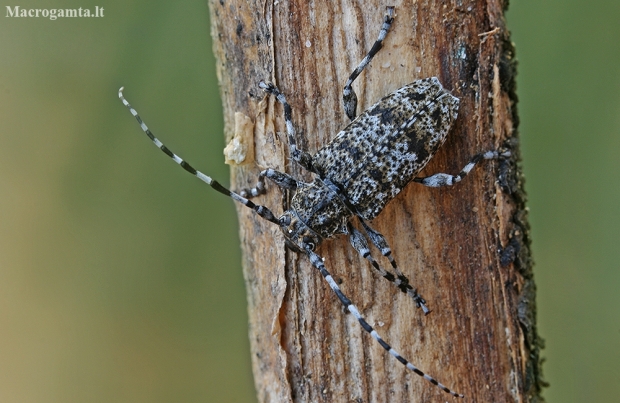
column 364, row 167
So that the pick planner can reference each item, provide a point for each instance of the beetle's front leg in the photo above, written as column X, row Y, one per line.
column 284, row 181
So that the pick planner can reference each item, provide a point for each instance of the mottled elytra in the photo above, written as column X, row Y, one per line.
column 364, row 167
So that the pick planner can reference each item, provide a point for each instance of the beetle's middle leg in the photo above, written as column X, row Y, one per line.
column 304, row 159
column 443, row 179
column 301, row 157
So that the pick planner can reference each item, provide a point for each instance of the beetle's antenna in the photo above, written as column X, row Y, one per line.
column 262, row 211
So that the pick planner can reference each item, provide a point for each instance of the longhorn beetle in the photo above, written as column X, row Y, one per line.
column 366, row 165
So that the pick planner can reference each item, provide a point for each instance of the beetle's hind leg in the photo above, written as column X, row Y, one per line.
column 349, row 98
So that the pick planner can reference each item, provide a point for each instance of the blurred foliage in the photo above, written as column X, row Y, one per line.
column 569, row 91
column 120, row 275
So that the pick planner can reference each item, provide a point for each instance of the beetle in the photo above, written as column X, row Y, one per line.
column 362, row 169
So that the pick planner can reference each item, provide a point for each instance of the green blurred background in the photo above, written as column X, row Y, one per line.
column 120, row 276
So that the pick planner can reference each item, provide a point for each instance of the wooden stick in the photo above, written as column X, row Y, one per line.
column 466, row 247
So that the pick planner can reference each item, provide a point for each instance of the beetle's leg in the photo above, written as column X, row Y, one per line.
column 359, row 243
column 401, row 281
column 262, row 211
column 442, row 179
column 349, row 98
column 301, row 157
column 317, row 262
column 281, row 179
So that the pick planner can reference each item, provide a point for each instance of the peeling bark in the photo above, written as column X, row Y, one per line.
column 466, row 248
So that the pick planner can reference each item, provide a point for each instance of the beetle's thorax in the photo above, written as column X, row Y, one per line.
column 317, row 208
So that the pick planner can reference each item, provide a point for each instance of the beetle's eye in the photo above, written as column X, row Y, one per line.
column 285, row 220
column 308, row 242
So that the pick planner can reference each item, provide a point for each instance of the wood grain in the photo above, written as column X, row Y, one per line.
column 466, row 248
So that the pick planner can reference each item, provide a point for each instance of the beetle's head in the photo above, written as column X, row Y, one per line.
column 297, row 234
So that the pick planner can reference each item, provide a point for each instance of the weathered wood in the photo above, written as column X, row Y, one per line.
column 466, row 248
